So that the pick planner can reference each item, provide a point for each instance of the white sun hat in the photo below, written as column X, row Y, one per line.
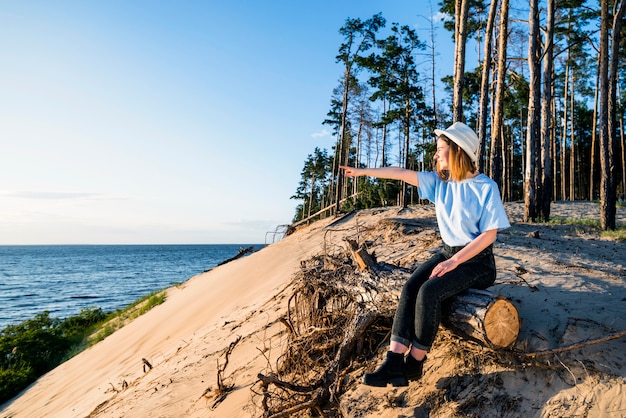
column 463, row 136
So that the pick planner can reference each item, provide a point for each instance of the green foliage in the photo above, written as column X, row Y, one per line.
column 313, row 187
column 476, row 12
column 122, row 317
column 37, row 345
column 619, row 234
column 393, row 128
column 13, row 380
column 153, row 300
column 394, row 75
column 585, row 222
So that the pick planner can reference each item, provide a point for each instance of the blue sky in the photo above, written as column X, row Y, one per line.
column 132, row 122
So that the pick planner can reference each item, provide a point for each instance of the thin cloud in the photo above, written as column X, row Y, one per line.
column 51, row 195
column 440, row 17
column 321, row 134
column 266, row 225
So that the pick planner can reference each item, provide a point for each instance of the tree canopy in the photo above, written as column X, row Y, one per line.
column 546, row 99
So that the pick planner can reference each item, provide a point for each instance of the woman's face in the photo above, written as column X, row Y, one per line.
column 441, row 156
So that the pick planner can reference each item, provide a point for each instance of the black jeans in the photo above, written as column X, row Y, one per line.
column 419, row 310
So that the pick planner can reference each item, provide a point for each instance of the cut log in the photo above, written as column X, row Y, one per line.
column 485, row 316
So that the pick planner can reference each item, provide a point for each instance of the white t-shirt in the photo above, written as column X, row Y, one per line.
column 464, row 209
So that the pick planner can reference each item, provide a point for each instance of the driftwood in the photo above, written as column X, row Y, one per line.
column 242, row 251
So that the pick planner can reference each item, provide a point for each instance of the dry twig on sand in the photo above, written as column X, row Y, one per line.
column 222, row 389
column 575, row 346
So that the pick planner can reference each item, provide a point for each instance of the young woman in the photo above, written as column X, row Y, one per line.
column 469, row 214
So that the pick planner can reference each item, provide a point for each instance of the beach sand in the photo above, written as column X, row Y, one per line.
column 568, row 284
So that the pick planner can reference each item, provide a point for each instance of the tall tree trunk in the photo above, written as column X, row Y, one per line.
column 383, row 159
column 621, row 135
column 546, row 115
column 621, row 141
column 508, row 167
column 522, row 125
column 377, row 149
column 496, row 151
column 618, row 22
column 607, row 203
column 572, row 142
column 357, row 161
column 460, row 37
column 432, row 65
column 506, row 184
column 555, row 146
column 359, row 37
column 332, row 191
column 344, row 142
column 311, row 195
column 594, row 129
column 407, row 130
column 564, row 134
column 484, row 85
column 532, row 180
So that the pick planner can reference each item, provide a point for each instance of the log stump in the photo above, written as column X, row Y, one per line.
column 485, row 316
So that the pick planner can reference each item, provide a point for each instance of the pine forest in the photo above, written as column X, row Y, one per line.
column 546, row 101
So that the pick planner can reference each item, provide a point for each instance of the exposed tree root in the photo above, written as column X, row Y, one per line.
column 330, row 320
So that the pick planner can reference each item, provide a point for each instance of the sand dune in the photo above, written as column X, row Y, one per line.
column 568, row 284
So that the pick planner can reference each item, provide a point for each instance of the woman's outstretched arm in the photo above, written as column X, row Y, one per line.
column 392, row 173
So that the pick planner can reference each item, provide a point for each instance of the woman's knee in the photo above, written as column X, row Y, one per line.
column 430, row 290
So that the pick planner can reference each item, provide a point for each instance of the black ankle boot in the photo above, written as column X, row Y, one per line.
column 390, row 371
column 413, row 368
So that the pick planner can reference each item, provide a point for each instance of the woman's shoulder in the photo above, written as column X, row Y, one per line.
column 482, row 182
column 481, row 178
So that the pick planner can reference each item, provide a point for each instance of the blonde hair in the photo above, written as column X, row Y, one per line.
column 458, row 161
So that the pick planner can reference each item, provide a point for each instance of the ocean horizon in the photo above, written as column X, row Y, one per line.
column 64, row 279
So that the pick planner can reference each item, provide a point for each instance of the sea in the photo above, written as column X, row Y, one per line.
column 64, row 279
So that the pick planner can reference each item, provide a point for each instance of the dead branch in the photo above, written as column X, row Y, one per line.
column 286, row 385
column 364, row 260
column 241, row 253
column 220, row 369
column 302, row 406
column 288, row 325
column 222, row 389
column 573, row 346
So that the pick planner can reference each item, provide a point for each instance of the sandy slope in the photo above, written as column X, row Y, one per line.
column 568, row 286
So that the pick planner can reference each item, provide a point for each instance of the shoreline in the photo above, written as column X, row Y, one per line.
column 63, row 279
